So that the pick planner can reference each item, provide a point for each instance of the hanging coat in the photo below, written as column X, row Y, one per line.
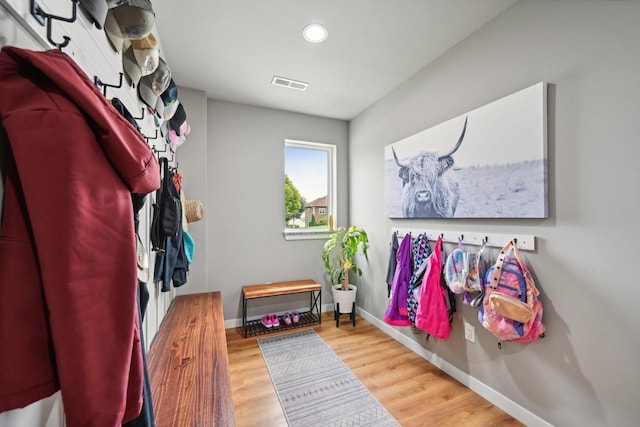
column 420, row 250
column 391, row 266
column 397, row 313
column 68, row 280
column 432, row 315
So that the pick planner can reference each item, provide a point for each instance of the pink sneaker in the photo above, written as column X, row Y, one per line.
column 266, row 321
column 295, row 316
column 275, row 322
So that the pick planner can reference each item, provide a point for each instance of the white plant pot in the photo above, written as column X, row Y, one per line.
column 345, row 298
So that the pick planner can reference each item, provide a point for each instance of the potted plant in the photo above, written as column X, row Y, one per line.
column 338, row 255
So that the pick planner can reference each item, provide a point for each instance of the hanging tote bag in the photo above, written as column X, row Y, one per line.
column 432, row 315
column 511, row 308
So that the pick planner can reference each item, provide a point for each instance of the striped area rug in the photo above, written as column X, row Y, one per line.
column 315, row 387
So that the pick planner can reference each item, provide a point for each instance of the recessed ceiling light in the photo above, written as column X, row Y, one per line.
column 315, row 33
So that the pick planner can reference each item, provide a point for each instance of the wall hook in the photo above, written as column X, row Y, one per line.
column 153, row 137
column 159, row 151
column 142, row 117
column 99, row 83
column 45, row 19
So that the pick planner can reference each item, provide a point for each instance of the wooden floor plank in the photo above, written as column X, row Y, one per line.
column 414, row 391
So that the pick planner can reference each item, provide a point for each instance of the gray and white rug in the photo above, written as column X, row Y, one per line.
column 315, row 387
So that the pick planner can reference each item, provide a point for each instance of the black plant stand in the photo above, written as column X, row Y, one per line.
column 337, row 314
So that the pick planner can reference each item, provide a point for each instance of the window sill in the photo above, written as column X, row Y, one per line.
column 306, row 234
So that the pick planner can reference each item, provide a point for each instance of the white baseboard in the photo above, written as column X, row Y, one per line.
column 509, row 406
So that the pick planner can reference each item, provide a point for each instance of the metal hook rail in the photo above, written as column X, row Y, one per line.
column 498, row 240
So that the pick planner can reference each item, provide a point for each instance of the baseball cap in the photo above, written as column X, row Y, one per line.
column 177, row 129
column 97, row 10
column 141, row 58
column 170, row 101
column 154, row 84
column 132, row 19
column 178, row 122
column 147, row 53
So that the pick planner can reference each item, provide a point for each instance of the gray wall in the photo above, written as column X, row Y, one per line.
column 245, row 200
column 585, row 372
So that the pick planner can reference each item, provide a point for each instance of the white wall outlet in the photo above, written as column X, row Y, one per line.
column 469, row 332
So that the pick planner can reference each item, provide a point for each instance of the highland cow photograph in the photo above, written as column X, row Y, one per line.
column 488, row 163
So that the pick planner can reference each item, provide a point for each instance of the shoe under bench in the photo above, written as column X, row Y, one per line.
column 263, row 290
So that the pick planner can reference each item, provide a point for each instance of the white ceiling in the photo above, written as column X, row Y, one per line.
column 231, row 49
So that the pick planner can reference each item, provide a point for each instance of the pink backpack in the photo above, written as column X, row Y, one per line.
column 432, row 315
column 511, row 308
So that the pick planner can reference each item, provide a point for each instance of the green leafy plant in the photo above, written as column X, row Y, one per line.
column 339, row 253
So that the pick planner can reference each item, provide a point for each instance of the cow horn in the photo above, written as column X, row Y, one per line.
column 398, row 161
column 464, row 129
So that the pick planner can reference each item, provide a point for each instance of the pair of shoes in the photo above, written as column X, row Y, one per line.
column 286, row 318
column 289, row 318
column 270, row 321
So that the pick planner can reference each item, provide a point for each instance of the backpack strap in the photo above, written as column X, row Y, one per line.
column 497, row 270
column 532, row 290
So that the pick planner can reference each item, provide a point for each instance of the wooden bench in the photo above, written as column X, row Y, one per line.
column 188, row 364
column 311, row 317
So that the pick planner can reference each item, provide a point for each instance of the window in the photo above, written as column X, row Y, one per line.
column 309, row 189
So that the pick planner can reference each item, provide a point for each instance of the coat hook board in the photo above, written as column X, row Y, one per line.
column 497, row 240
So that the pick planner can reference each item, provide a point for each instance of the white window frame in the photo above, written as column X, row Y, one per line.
column 332, row 187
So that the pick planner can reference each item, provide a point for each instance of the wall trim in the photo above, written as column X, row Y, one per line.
column 501, row 401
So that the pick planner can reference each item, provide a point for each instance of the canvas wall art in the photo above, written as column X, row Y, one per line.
column 488, row 163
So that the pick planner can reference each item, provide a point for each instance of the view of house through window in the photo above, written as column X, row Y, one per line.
column 309, row 187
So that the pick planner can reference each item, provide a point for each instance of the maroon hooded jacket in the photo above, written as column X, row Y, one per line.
column 68, row 282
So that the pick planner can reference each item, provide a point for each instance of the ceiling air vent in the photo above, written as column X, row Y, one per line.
column 292, row 84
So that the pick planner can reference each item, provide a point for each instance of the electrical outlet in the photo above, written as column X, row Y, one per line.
column 469, row 332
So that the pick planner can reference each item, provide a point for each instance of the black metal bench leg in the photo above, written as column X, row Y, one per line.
column 336, row 314
column 353, row 314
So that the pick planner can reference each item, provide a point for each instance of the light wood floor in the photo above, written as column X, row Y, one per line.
column 414, row 391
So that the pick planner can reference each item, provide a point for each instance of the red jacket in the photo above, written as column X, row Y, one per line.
column 68, row 283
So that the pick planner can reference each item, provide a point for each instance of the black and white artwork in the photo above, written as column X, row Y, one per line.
column 488, row 163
